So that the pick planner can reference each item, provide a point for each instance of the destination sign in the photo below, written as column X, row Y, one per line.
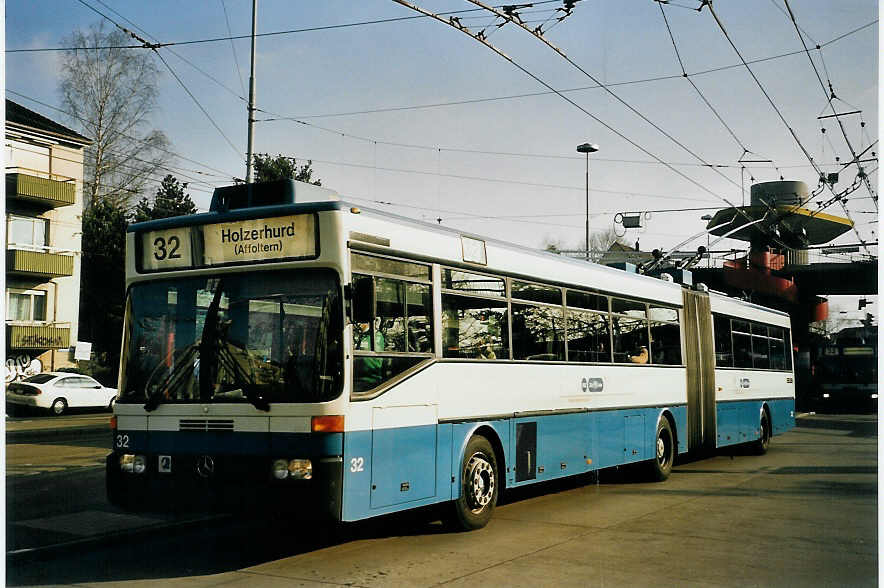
column 260, row 239
column 245, row 241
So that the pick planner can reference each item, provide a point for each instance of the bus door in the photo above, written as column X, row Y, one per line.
column 700, row 360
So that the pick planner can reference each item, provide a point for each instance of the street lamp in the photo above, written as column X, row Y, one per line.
column 707, row 217
column 587, row 148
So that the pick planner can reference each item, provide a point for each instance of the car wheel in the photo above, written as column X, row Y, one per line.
column 763, row 444
column 59, row 406
column 479, row 486
column 664, row 451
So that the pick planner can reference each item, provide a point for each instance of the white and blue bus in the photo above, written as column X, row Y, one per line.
column 287, row 346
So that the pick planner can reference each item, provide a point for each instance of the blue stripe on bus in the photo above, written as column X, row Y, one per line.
column 738, row 422
column 391, row 470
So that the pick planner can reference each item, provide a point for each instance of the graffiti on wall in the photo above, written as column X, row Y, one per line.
column 22, row 366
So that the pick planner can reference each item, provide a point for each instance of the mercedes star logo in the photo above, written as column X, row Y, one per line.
column 205, row 466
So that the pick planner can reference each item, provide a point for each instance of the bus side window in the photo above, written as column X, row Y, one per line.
column 777, row 348
column 724, row 356
column 474, row 328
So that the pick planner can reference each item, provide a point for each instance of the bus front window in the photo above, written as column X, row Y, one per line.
column 246, row 337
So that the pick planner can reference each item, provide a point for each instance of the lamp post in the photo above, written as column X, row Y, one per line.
column 587, row 148
column 707, row 217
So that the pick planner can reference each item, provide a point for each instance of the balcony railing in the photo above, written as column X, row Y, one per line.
column 24, row 336
column 42, row 262
column 46, row 192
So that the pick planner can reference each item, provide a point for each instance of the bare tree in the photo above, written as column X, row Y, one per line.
column 600, row 243
column 110, row 93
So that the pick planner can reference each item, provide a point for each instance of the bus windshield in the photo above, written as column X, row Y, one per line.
column 246, row 337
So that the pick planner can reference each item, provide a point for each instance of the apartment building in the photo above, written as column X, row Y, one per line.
column 44, row 209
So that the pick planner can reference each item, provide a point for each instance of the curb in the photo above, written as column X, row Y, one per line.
column 23, row 435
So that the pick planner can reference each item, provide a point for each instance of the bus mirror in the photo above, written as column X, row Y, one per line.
column 363, row 301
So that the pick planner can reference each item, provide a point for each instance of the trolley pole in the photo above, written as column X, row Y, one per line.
column 587, row 148
column 251, row 110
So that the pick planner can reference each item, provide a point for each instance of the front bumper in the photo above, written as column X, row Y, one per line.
column 231, row 483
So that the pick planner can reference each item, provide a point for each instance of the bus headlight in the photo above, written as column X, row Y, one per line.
column 139, row 464
column 300, row 469
column 295, row 469
column 280, row 469
column 127, row 463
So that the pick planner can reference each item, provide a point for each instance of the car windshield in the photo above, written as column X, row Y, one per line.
column 247, row 337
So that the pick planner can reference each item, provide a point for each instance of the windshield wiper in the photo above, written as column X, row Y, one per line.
column 183, row 367
column 226, row 358
column 214, row 352
column 208, row 342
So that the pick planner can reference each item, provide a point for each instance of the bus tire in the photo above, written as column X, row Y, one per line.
column 763, row 443
column 664, row 451
column 479, row 486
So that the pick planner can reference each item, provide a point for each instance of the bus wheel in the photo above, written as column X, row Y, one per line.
column 664, row 451
column 761, row 446
column 479, row 486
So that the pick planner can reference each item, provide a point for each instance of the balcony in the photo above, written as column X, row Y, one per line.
column 44, row 192
column 41, row 262
column 31, row 336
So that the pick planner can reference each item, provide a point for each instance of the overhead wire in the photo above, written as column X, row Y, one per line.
column 830, row 96
column 718, row 21
column 154, row 47
column 558, row 51
column 137, row 140
column 694, row 85
column 233, row 49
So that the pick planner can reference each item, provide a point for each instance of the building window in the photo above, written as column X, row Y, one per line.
column 27, row 231
column 26, row 306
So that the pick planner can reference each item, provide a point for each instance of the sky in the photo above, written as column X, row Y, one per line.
column 382, row 131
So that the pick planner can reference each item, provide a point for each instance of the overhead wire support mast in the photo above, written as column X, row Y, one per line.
column 251, row 108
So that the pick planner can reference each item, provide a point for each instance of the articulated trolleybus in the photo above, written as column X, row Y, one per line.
column 287, row 346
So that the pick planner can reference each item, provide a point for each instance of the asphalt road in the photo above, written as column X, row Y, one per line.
column 803, row 515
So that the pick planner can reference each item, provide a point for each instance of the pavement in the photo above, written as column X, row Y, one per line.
column 103, row 523
column 805, row 514
column 98, row 524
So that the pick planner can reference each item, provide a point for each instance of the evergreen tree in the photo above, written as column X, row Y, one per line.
column 170, row 200
column 103, row 285
column 269, row 169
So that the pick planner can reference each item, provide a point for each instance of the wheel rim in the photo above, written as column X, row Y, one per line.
column 58, row 407
column 664, row 443
column 479, row 482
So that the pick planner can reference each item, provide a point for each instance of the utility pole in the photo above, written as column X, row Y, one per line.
column 251, row 110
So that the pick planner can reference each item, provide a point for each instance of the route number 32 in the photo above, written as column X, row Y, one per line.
column 357, row 464
column 166, row 248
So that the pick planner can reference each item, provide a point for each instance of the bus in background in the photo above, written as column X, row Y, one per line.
column 289, row 348
column 846, row 371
